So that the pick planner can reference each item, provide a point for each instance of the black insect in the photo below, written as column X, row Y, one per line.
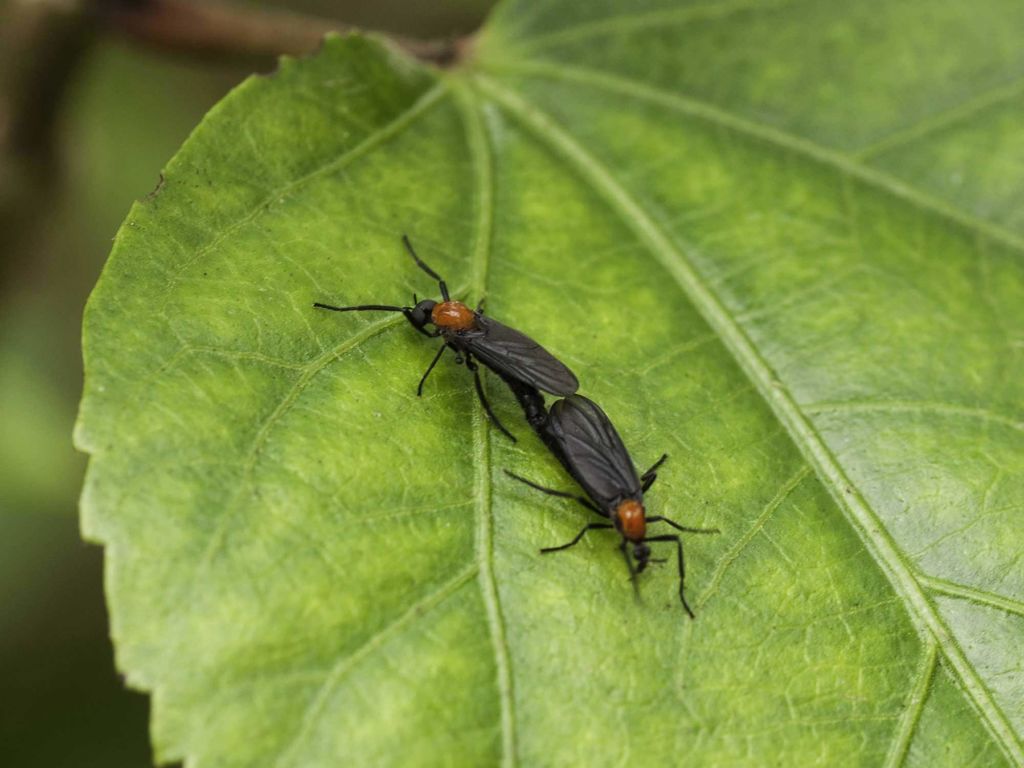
column 532, row 403
column 584, row 440
column 474, row 336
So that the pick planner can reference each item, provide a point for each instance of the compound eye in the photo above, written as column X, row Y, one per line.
column 420, row 314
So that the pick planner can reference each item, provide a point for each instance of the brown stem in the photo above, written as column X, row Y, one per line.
column 220, row 29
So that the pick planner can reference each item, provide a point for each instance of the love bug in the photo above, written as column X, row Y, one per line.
column 587, row 444
column 473, row 336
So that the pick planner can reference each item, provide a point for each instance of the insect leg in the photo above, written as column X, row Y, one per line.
column 648, row 477
column 682, row 565
column 678, row 527
column 419, row 389
column 483, row 398
column 552, row 492
column 656, row 464
column 632, row 569
column 428, row 334
column 580, row 535
column 423, row 265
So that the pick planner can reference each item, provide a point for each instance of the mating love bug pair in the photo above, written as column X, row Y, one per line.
column 575, row 429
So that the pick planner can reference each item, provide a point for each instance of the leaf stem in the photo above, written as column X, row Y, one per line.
column 222, row 29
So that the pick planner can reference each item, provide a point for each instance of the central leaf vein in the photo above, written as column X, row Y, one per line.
column 480, row 155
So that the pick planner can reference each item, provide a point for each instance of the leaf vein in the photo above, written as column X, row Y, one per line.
column 842, row 164
column 914, row 406
column 900, row 746
column 313, row 368
column 480, row 157
column 375, row 641
column 956, row 114
column 382, row 134
column 744, row 541
column 635, row 22
column 975, row 595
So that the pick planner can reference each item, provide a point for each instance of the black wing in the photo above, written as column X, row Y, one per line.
column 592, row 450
column 516, row 355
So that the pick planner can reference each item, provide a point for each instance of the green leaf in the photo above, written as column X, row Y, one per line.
column 781, row 242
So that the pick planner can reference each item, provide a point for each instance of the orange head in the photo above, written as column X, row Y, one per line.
column 453, row 316
column 631, row 519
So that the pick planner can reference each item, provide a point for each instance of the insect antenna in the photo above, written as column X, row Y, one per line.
column 423, row 265
column 361, row 308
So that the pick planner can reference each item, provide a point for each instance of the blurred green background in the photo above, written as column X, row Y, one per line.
column 125, row 112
